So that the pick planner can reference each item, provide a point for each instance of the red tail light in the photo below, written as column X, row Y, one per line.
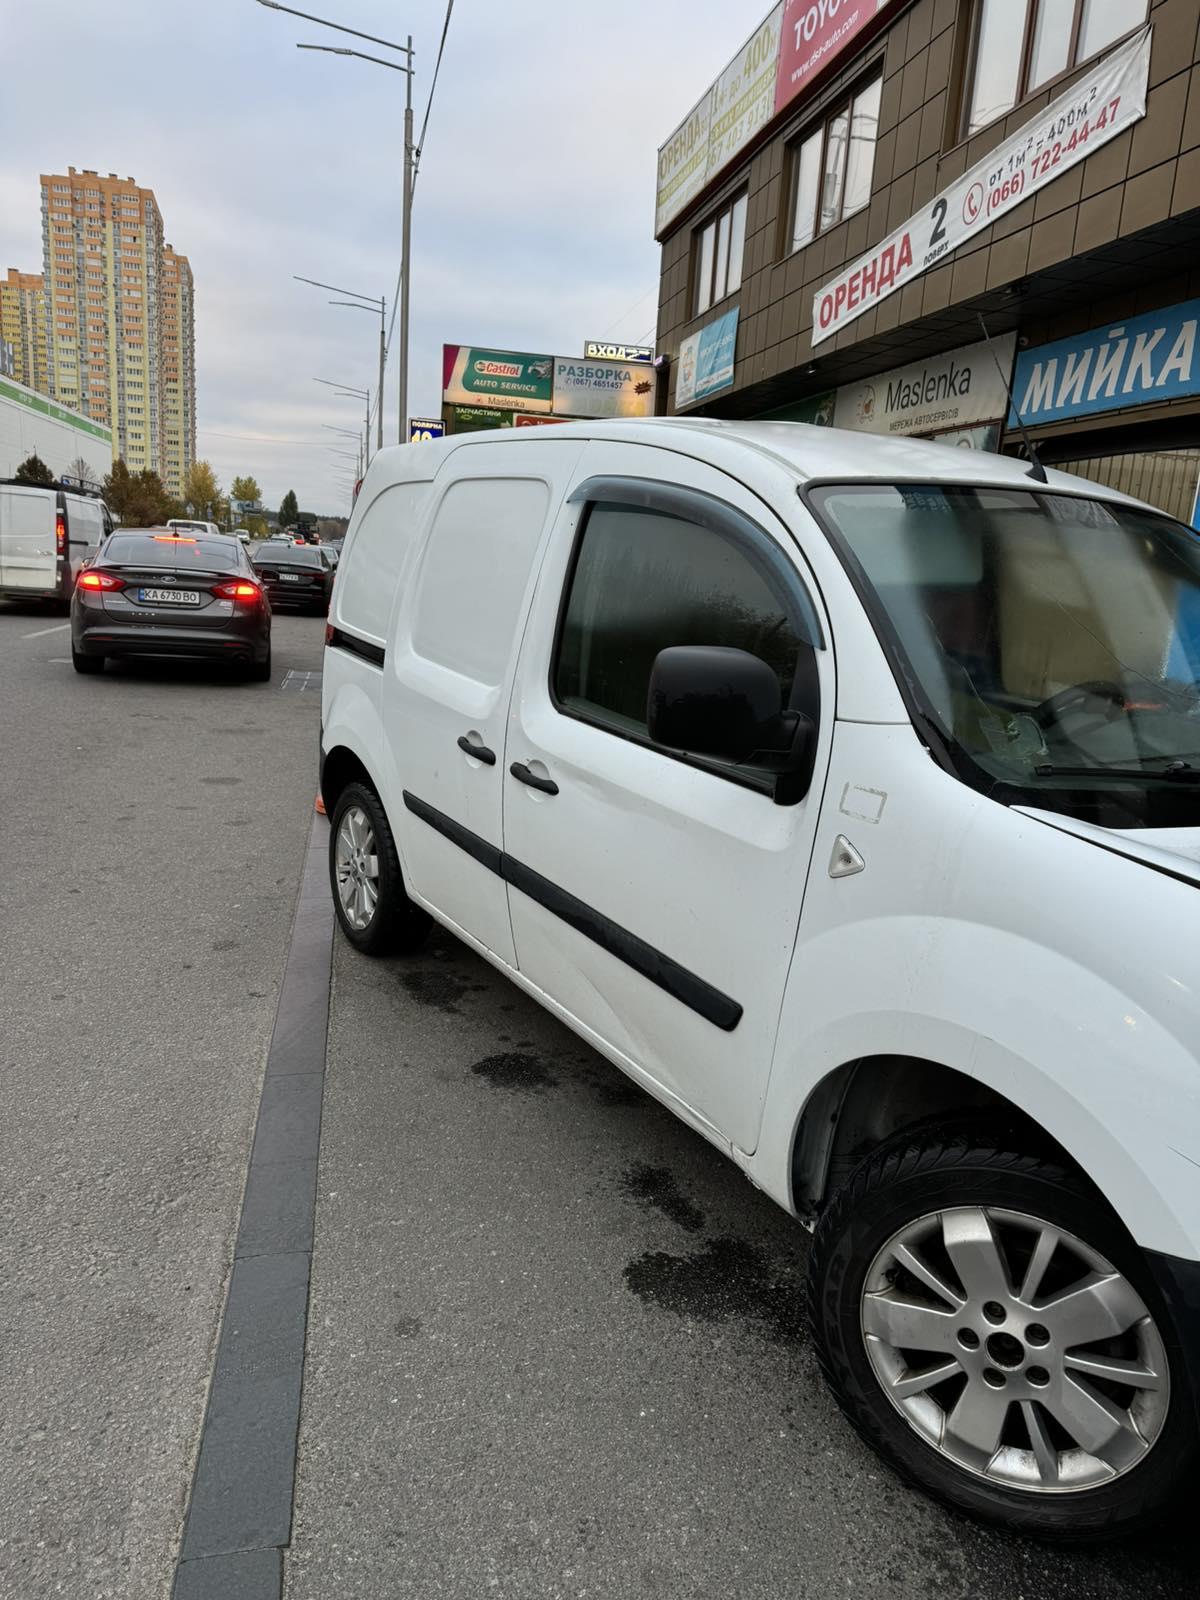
column 60, row 533
column 238, row 590
column 96, row 579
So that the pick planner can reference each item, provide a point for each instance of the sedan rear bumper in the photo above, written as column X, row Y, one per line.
column 231, row 644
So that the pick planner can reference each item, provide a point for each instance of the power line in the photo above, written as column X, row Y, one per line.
column 429, row 103
column 255, row 438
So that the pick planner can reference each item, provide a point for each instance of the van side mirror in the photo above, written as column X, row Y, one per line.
column 711, row 700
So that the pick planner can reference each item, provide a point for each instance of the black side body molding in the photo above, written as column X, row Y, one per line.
column 680, row 983
column 339, row 639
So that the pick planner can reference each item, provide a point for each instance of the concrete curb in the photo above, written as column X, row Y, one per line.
column 239, row 1516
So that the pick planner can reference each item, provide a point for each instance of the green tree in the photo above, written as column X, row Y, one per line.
column 246, row 489
column 138, row 500
column 256, row 527
column 34, row 470
column 201, row 491
column 289, row 509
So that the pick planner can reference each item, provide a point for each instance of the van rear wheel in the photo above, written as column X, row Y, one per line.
column 991, row 1331
column 375, row 914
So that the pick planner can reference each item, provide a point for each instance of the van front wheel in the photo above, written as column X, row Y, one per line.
column 990, row 1330
column 375, row 914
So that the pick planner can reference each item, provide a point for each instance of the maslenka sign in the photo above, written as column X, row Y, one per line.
column 1140, row 361
column 1101, row 105
column 956, row 390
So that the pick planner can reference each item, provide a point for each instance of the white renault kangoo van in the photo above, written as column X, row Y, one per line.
column 845, row 793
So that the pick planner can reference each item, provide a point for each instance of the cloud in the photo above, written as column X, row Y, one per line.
column 534, row 207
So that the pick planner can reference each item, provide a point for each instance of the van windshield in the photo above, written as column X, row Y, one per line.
column 1050, row 642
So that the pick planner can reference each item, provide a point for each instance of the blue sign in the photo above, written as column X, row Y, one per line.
column 422, row 429
column 706, row 360
column 1138, row 361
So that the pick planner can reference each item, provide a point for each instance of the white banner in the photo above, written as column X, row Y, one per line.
column 683, row 164
column 1101, row 105
column 743, row 97
column 956, row 390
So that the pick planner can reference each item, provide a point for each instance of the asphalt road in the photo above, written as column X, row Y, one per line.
column 555, row 1346
column 154, row 822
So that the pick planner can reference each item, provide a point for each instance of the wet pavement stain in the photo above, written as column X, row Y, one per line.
column 654, row 1188
column 513, row 1070
column 444, row 991
column 408, row 1327
column 728, row 1280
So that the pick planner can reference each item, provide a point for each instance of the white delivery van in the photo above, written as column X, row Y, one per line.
column 845, row 792
column 47, row 533
column 203, row 530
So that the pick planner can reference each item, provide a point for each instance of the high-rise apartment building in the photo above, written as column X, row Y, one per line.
column 178, row 369
column 23, row 326
column 107, row 293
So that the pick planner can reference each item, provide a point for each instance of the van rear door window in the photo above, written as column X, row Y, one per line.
column 485, row 535
column 370, row 573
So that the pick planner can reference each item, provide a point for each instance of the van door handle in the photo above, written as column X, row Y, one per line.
column 479, row 751
column 523, row 775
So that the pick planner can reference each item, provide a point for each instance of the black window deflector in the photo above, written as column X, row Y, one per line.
column 707, row 511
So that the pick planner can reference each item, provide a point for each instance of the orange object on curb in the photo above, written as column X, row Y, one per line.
column 320, row 806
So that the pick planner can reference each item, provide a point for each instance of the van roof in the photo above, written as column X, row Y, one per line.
column 807, row 451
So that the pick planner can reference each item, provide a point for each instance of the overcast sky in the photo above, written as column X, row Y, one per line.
column 533, row 224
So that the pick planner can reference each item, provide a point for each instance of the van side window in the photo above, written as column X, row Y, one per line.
column 481, row 549
column 644, row 580
column 382, row 540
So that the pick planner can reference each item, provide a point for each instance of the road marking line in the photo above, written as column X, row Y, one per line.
column 42, row 632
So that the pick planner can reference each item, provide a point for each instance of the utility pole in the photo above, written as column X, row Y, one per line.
column 406, row 247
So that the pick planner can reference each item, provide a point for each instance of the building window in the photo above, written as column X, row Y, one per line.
column 1019, row 45
column 719, row 248
column 832, row 167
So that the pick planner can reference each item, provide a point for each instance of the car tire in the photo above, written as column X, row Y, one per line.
column 86, row 664
column 870, row 1311
column 372, row 908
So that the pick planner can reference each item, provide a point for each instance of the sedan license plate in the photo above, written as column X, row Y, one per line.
column 169, row 597
column 290, row 577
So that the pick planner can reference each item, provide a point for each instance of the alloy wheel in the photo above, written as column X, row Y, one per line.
column 356, row 866
column 1015, row 1349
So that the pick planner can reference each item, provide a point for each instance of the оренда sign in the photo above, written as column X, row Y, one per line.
column 1101, row 105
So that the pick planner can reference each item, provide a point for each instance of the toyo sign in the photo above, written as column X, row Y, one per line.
column 506, row 379
column 1092, row 111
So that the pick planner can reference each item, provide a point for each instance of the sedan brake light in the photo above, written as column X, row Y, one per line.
column 94, row 578
column 237, row 590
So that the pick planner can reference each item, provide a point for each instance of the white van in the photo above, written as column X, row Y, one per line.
column 844, row 792
column 47, row 533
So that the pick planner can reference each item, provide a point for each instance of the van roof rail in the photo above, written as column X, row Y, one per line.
column 67, row 488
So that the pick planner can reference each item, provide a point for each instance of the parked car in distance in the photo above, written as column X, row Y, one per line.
column 243, row 535
column 47, row 534
column 294, row 575
column 156, row 593
column 844, row 792
column 190, row 525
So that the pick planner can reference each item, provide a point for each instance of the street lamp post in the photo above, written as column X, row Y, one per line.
column 410, row 160
column 356, row 305
column 349, row 393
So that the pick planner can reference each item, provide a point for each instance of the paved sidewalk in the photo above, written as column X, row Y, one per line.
column 555, row 1346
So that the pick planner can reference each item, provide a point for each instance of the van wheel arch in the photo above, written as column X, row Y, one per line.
column 861, row 1104
column 340, row 768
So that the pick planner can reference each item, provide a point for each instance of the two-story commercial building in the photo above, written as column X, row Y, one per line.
column 869, row 178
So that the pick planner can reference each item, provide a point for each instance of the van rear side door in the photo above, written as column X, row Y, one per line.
column 28, row 552
column 85, row 530
column 449, row 674
column 655, row 896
